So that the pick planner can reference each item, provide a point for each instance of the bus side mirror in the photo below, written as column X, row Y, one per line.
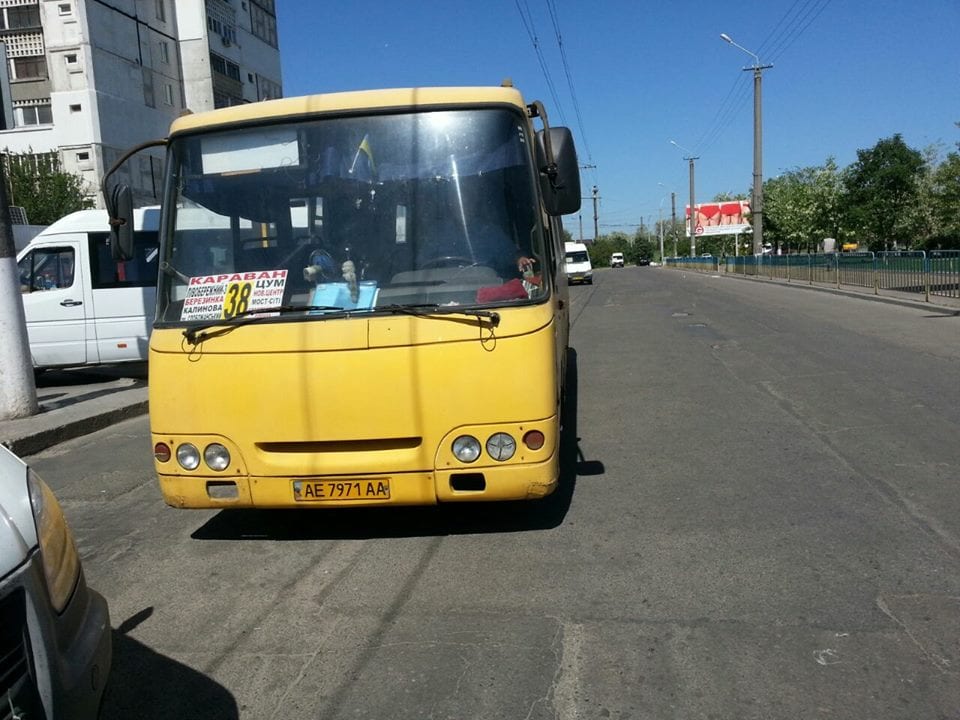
column 120, row 208
column 559, row 171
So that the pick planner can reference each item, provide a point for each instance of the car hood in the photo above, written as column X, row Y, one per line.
column 18, row 532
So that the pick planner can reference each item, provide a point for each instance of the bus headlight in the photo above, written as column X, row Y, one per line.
column 188, row 456
column 216, row 456
column 466, row 448
column 58, row 553
column 500, row 446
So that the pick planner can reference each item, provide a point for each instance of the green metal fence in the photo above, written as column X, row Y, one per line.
column 920, row 273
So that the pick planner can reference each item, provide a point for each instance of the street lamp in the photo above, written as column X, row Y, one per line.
column 756, row 204
column 660, row 220
column 693, row 226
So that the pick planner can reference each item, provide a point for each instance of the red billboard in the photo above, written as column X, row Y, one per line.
column 728, row 217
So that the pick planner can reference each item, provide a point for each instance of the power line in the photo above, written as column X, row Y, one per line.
column 811, row 15
column 530, row 27
column 552, row 9
column 790, row 26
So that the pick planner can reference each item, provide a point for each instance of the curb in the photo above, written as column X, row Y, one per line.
column 30, row 442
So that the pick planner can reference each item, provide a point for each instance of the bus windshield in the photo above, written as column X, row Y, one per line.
column 356, row 213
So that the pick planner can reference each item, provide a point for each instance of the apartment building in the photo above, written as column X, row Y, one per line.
column 88, row 79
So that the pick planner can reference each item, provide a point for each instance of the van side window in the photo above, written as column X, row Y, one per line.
column 46, row 269
column 141, row 271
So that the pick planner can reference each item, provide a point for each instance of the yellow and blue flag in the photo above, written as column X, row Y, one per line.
column 363, row 165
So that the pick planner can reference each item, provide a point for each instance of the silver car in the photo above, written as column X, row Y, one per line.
column 55, row 643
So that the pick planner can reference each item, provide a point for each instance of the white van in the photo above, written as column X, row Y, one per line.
column 82, row 306
column 577, row 263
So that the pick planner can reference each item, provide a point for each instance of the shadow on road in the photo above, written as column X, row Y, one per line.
column 67, row 377
column 396, row 522
column 147, row 685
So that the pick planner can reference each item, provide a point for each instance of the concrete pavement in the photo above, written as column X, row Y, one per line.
column 76, row 402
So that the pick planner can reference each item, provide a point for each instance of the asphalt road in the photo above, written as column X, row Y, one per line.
column 759, row 518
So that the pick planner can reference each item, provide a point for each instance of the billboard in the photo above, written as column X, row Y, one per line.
column 729, row 217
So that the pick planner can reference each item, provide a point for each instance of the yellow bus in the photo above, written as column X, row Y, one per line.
column 362, row 300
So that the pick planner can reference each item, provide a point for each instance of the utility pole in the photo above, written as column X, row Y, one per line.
column 756, row 203
column 693, row 213
column 660, row 227
column 660, row 219
column 596, row 217
column 580, row 215
column 18, row 391
column 673, row 220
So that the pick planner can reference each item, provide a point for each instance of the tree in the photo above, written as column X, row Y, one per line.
column 38, row 184
column 945, row 204
column 803, row 206
column 882, row 192
column 641, row 248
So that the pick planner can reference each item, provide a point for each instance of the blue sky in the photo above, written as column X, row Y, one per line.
column 846, row 74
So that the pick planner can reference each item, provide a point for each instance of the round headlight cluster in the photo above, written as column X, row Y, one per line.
column 188, row 456
column 500, row 446
column 215, row 455
column 466, row 448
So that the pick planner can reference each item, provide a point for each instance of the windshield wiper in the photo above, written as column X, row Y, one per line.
column 197, row 334
column 433, row 310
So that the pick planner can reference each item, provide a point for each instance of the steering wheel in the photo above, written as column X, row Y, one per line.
column 448, row 261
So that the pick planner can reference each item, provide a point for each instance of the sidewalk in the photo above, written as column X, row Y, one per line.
column 77, row 402
column 938, row 303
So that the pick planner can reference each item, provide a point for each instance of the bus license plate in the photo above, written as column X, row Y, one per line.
column 314, row 490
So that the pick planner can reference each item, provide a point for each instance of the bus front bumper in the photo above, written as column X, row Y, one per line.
column 490, row 483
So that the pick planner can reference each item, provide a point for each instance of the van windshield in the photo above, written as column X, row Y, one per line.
column 579, row 256
column 356, row 213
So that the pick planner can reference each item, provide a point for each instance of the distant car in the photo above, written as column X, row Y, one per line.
column 55, row 643
column 616, row 260
column 643, row 261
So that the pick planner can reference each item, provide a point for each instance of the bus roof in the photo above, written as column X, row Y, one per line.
column 397, row 98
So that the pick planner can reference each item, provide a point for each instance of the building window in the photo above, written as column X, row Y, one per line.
column 33, row 67
column 161, row 7
column 64, row 9
column 222, row 99
column 224, row 67
column 168, row 94
column 227, row 33
column 263, row 24
column 83, row 157
column 75, row 108
column 148, row 99
column 20, row 18
column 164, row 53
column 267, row 89
column 32, row 114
